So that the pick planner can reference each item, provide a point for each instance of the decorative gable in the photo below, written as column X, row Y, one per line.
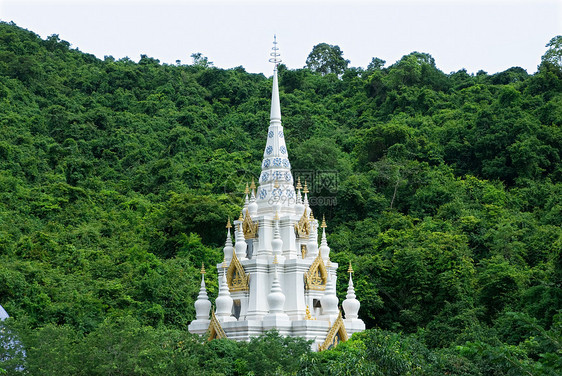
column 336, row 335
column 316, row 277
column 215, row 328
column 236, row 277
column 249, row 227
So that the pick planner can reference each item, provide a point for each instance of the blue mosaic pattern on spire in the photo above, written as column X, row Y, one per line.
column 269, row 149
column 281, row 134
column 270, row 134
column 266, row 163
column 263, row 193
column 283, row 150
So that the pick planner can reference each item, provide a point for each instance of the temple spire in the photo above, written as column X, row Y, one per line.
column 276, row 180
column 351, row 305
column 228, row 248
column 324, row 248
column 240, row 245
column 224, row 301
column 275, row 114
column 202, row 304
column 330, row 300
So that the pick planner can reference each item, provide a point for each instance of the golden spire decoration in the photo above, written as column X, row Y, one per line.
column 253, row 185
column 311, row 216
column 203, row 268
column 247, row 190
column 224, row 266
column 241, row 217
column 299, row 186
column 305, row 190
column 276, row 218
column 350, row 269
column 323, row 222
column 276, row 184
column 228, row 224
column 275, row 260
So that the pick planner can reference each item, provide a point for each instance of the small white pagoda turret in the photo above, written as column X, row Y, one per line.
column 276, row 276
column 202, row 304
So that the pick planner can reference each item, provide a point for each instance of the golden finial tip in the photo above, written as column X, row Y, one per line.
column 311, row 216
column 224, row 263
column 253, row 185
column 350, row 269
column 276, row 216
column 203, row 268
column 275, row 260
column 241, row 218
column 299, row 186
column 323, row 222
column 305, row 190
column 228, row 224
column 247, row 190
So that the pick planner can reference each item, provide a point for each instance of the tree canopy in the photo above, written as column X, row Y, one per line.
column 326, row 58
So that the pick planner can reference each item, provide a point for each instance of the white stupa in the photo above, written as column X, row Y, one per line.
column 276, row 276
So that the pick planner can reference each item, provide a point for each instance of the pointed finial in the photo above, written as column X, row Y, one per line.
column 350, row 269
column 275, row 59
column 299, row 186
column 203, row 268
column 276, row 216
column 228, row 224
column 224, row 266
column 323, row 222
column 305, row 190
column 253, row 185
column 311, row 216
column 275, row 260
column 247, row 190
column 241, row 218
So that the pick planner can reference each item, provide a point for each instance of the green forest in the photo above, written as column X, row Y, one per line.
column 117, row 178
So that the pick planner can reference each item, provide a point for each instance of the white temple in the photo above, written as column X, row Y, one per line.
column 276, row 276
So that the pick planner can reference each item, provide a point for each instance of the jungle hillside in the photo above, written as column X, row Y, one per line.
column 117, row 178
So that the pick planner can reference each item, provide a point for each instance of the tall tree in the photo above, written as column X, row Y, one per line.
column 326, row 58
column 554, row 53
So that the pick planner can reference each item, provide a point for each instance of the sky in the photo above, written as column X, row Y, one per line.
column 475, row 35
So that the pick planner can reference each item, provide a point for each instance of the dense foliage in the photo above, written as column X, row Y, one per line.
column 117, row 177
